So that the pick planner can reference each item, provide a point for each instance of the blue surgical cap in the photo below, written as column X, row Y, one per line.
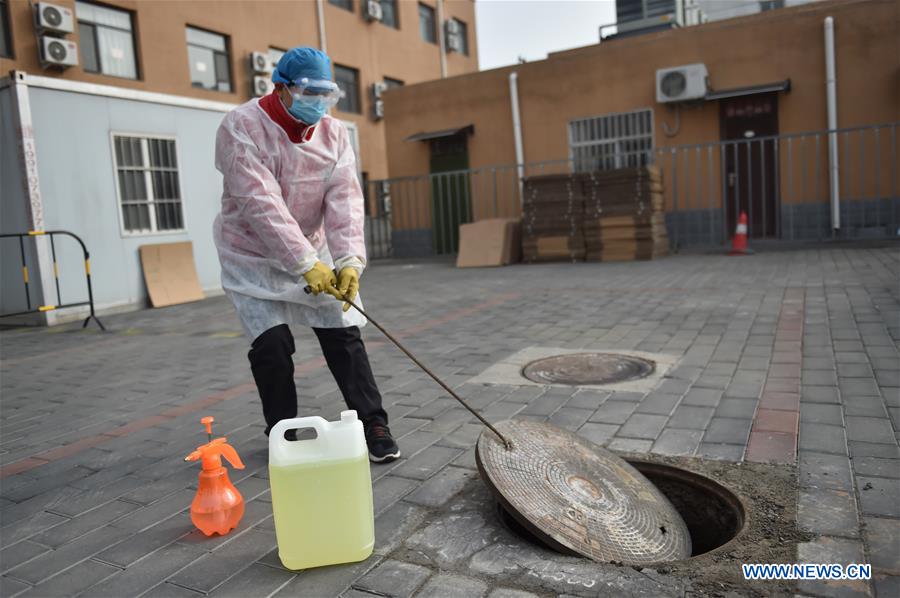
column 302, row 62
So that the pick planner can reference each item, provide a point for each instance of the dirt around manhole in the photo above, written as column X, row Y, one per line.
column 467, row 535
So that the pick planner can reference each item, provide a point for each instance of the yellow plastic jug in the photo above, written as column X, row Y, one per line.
column 321, row 492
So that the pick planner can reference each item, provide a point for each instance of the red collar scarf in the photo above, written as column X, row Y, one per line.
column 297, row 131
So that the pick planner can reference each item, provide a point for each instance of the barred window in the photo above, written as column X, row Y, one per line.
column 149, row 191
column 621, row 140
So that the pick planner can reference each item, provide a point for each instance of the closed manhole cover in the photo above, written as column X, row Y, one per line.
column 583, row 369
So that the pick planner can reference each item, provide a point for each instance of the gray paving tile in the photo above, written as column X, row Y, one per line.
column 598, row 433
column 11, row 587
column 832, row 550
column 690, row 417
column 75, row 580
column 389, row 490
column 641, row 425
column 658, row 404
column 678, row 442
column 819, row 394
column 67, row 555
column 394, row 578
column 876, row 467
column 822, row 438
column 727, row 430
column 828, row 512
column 879, row 496
column 255, row 580
column 869, row 429
column 447, row 585
column 427, row 463
column 739, row 408
column 820, row 413
column 823, row 470
column 721, row 452
column 395, row 524
column 210, row 570
column 702, row 397
column 613, row 412
column 881, row 536
column 440, row 488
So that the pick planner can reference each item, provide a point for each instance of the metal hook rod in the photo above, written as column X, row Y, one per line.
column 390, row 337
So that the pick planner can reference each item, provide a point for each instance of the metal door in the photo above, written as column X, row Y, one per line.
column 748, row 126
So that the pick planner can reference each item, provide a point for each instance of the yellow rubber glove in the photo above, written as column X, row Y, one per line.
column 348, row 284
column 321, row 278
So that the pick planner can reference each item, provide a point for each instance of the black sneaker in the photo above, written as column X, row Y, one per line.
column 382, row 447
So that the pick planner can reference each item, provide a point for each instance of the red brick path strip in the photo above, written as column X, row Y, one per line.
column 72, row 448
column 773, row 436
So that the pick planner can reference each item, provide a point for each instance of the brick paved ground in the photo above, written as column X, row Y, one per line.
column 789, row 357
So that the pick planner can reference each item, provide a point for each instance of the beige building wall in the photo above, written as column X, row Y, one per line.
column 619, row 75
column 375, row 49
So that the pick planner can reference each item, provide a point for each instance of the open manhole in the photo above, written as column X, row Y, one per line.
column 713, row 514
column 586, row 369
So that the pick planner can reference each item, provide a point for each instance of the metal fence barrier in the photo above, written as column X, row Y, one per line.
column 782, row 182
column 59, row 303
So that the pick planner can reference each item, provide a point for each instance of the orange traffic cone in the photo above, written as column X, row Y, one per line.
column 739, row 243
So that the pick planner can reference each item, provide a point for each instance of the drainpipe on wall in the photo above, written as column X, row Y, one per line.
column 831, row 99
column 517, row 130
column 320, row 14
column 441, row 41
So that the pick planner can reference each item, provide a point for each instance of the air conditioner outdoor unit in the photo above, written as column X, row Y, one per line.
column 378, row 88
column 681, row 83
column 56, row 52
column 262, row 86
column 260, row 63
column 372, row 10
column 54, row 18
column 378, row 109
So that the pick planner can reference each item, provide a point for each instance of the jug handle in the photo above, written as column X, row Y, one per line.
column 314, row 421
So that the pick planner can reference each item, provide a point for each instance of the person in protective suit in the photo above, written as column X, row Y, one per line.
column 292, row 216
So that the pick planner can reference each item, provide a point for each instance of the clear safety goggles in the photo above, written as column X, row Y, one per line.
column 320, row 93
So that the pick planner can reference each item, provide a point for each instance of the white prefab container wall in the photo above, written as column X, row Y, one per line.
column 166, row 190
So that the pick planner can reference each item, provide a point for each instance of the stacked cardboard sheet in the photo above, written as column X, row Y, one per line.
column 552, row 215
column 624, row 218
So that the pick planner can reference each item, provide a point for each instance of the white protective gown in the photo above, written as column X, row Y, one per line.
column 284, row 206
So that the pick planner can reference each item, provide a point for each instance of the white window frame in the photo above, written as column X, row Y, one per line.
column 148, row 183
column 614, row 124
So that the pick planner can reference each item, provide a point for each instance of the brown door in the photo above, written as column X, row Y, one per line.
column 748, row 127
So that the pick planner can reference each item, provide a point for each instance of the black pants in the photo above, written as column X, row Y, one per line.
column 345, row 353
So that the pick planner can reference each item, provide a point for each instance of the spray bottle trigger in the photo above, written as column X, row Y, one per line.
column 231, row 455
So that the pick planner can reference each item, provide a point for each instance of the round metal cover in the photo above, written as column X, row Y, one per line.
column 578, row 497
column 582, row 369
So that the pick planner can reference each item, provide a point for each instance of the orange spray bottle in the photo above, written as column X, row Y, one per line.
column 218, row 506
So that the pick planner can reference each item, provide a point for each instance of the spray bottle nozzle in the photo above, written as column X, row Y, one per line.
column 211, row 453
column 207, row 423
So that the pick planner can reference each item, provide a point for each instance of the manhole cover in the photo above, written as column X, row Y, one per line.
column 584, row 369
column 578, row 497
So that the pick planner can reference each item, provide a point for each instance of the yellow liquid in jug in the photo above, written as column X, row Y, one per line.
column 323, row 512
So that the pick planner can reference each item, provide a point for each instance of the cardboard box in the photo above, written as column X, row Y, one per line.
column 492, row 242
